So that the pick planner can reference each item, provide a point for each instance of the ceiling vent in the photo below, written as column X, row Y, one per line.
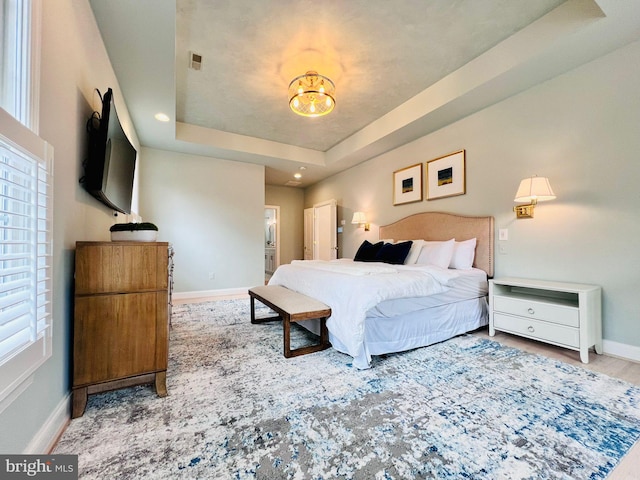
column 292, row 183
column 195, row 61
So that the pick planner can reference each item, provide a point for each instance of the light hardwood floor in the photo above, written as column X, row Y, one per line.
column 629, row 468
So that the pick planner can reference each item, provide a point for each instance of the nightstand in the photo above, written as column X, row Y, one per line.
column 564, row 314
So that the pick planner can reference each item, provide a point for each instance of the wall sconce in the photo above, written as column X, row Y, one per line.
column 533, row 190
column 360, row 219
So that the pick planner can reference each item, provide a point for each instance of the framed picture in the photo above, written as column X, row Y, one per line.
column 407, row 185
column 446, row 176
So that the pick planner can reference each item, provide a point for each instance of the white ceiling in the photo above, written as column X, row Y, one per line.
column 379, row 53
column 402, row 69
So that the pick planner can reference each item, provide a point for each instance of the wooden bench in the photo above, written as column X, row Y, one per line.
column 291, row 307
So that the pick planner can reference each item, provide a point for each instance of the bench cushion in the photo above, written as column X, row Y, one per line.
column 296, row 305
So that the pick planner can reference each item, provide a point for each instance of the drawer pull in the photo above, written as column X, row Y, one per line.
column 531, row 310
column 531, row 329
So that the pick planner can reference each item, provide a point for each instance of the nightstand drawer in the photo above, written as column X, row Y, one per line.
column 537, row 309
column 549, row 332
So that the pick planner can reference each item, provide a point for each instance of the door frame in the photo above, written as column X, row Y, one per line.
column 278, row 237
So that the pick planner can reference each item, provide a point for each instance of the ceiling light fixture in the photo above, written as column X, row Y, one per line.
column 162, row 117
column 312, row 95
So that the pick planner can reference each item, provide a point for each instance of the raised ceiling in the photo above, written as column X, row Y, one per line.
column 378, row 53
column 401, row 69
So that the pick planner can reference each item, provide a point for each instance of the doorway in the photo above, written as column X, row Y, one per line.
column 271, row 240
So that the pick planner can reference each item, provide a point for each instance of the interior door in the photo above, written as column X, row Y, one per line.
column 308, row 233
column 325, row 231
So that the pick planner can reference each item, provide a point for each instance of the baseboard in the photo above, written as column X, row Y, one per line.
column 621, row 350
column 210, row 293
column 44, row 441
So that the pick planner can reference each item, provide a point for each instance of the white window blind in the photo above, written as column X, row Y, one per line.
column 20, row 59
column 25, row 253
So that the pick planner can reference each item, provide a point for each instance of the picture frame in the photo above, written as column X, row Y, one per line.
column 407, row 185
column 446, row 176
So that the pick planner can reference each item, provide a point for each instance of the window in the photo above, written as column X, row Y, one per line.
column 25, row 207
column 25, row 254
column 19, row 59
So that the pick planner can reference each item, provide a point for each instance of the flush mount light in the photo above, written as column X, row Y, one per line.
column 162, row 117
column 297, row 175
column 312, row 95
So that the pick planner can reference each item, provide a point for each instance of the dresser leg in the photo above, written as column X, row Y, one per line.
column 78, row 402
column 161, row 383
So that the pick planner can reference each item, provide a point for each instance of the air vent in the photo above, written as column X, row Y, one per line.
column 292, row 183
column 195, row 61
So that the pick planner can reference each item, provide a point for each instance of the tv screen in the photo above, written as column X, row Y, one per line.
column 111, row 162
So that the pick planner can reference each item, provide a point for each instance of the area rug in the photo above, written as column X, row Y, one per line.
column 464, row 408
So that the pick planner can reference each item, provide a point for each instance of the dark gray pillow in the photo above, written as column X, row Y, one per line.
column 368, row 251
column 394, row 253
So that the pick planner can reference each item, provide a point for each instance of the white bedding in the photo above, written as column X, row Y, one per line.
column 467, row 285
column 351, row 289
column 424, row 327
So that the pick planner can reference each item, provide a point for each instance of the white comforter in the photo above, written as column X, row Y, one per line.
column 352, row 288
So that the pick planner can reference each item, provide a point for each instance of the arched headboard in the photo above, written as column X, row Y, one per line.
column 433, row 226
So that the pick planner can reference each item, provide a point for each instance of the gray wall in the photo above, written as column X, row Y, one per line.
column 582, row 131
column 212, row 211
column 291, row 203
column 67, row 99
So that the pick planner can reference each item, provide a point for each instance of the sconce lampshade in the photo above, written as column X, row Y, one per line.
column 534, row 189
column 312, row 95
column 359, row 218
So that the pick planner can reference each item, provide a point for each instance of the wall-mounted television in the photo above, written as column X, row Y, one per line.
column 111, row 162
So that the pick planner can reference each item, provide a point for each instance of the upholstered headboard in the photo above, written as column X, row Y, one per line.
column 444, row 226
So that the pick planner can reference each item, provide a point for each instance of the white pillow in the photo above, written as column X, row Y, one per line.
column 463, row 254
column 416, row 247
column 436, row 253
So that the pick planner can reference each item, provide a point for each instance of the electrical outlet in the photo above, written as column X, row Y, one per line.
column 212, row 276
column 502, row 248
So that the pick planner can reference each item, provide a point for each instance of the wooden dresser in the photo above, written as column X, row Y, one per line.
column 121, row 317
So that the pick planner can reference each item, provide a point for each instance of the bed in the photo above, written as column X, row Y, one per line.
column 380, row 308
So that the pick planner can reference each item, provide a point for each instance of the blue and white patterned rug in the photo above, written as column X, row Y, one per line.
column 465, row 408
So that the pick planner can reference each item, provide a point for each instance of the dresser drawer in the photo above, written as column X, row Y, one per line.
column 537, row 310
column 549, row 332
